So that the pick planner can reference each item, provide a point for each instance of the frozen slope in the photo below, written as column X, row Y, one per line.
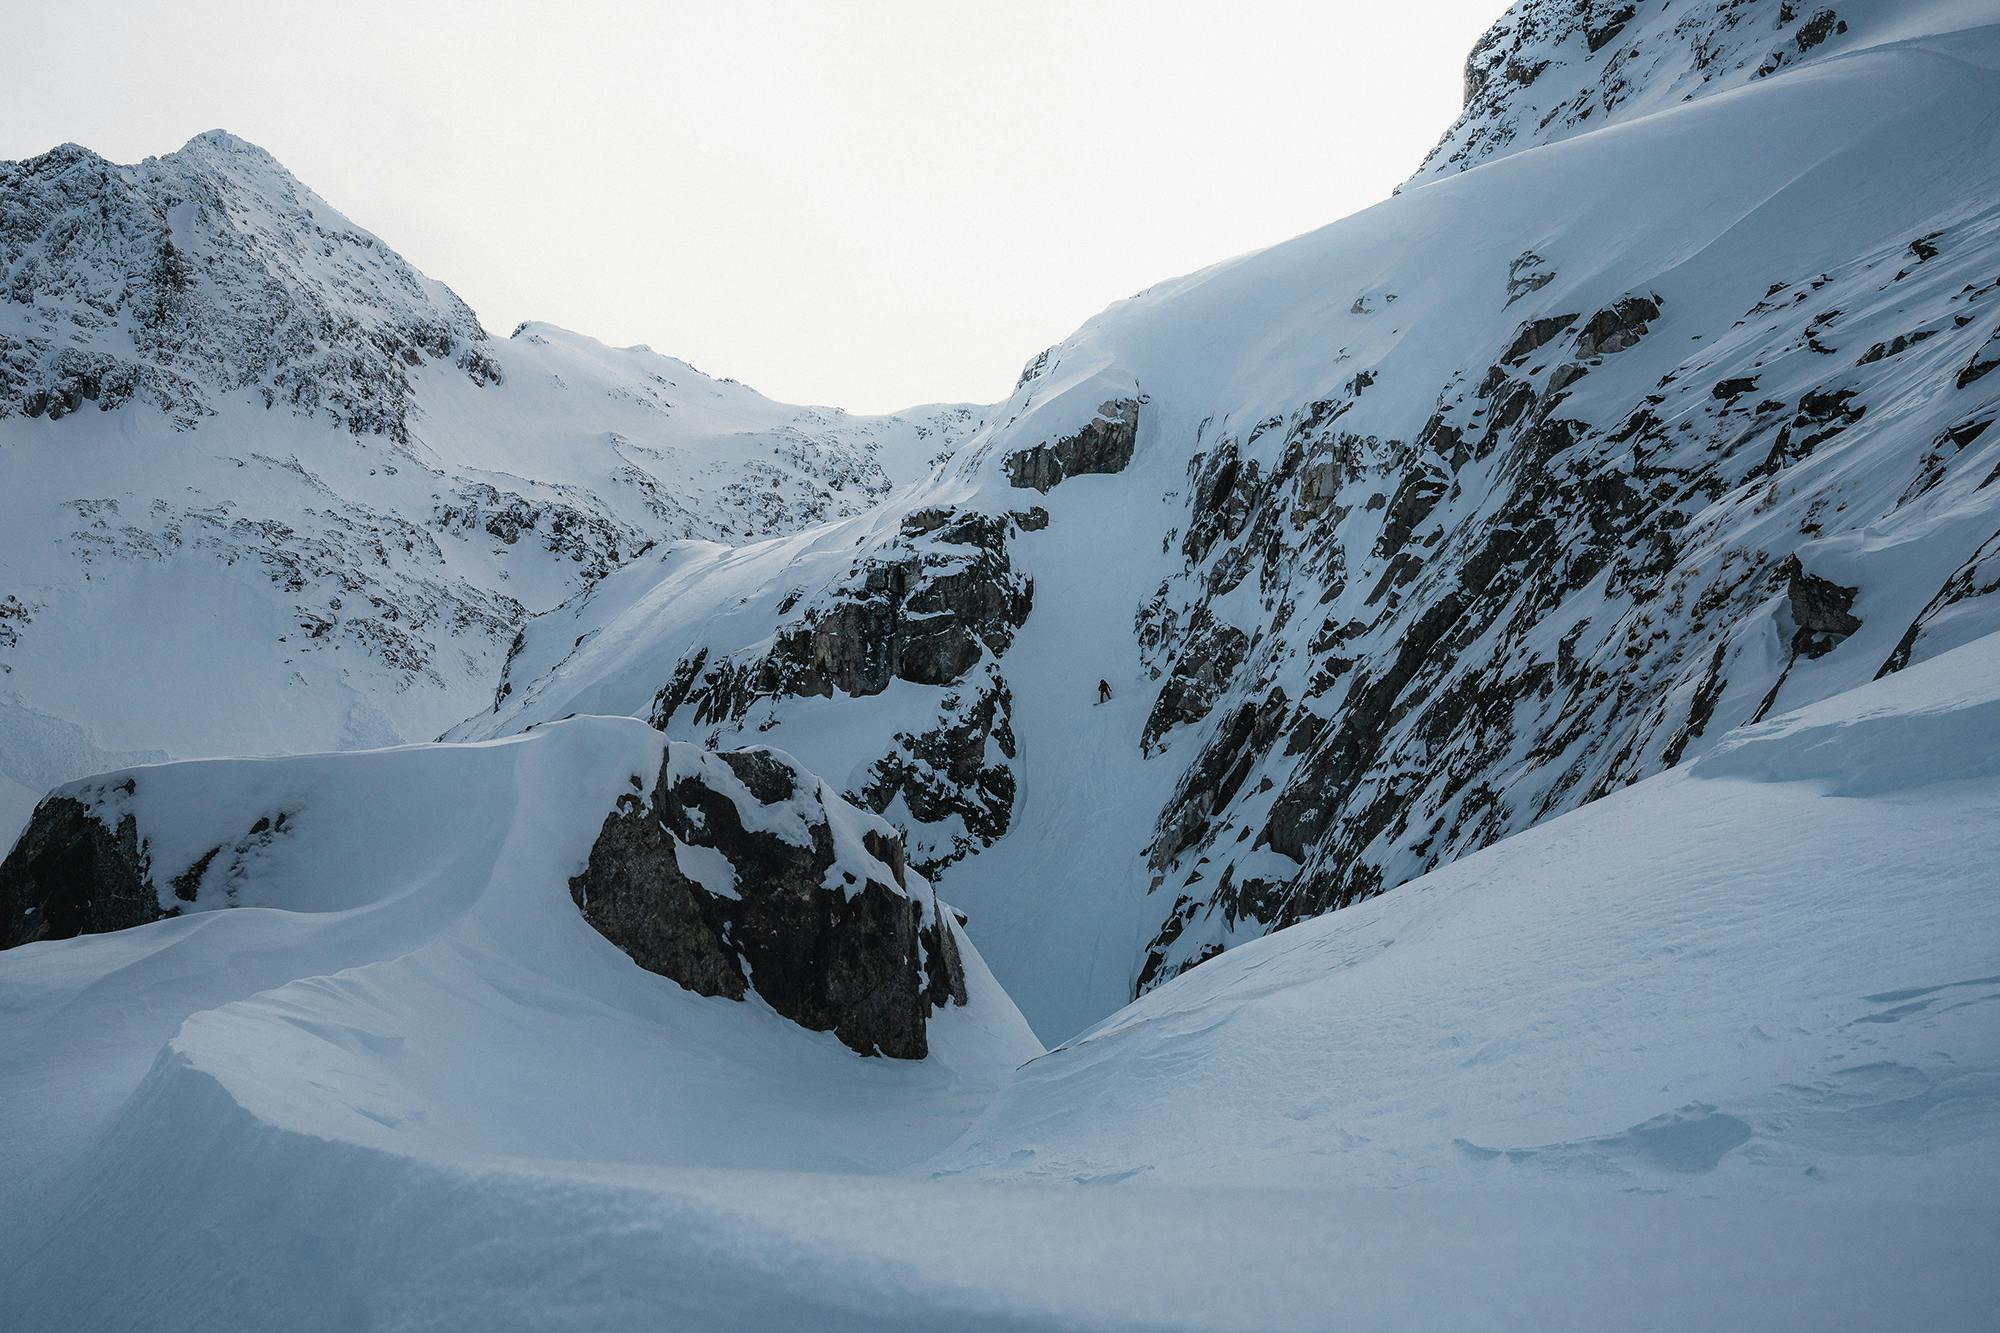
column 1400, row 537
column 1716, row 1051
column 1770, row 972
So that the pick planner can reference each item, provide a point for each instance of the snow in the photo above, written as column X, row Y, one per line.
column 1717, row 1049
column 305, row 581
column 706, row 866
column 1819, row 176
column 1765, row 973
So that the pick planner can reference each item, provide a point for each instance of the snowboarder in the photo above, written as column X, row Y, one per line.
column 1104, row 691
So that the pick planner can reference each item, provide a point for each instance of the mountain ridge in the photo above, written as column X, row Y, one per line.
column 211, row 382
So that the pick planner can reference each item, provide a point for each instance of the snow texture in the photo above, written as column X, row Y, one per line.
column 1717, row 1050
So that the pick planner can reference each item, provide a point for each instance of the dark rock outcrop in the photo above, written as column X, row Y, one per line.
column 1618, row 326
column 731, row 876
column 72, row 874
column 1103, row 445
column 956, row 778
column 923, row 610
column 1820, row 608
column 1451, row 637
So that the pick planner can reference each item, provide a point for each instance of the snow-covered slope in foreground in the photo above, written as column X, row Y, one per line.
column 1716, row 1051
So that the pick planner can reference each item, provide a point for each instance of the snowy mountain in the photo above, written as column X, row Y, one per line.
column 1534, row 868
column 1551, row 69
column 1424, row 528
column 240, row 429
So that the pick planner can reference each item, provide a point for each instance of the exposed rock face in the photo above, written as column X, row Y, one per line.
column 1103, row 445
column 1527, row 608
column 71, row 874
column 923, row 609
column 935, row 606
column 741, row 871
column 1820, row 609
column 955, row 778
column 1548, row 69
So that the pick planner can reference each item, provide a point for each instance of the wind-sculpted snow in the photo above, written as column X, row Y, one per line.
column 242, row 432
column 1733, row 1021
column 1596, row 544
column 1432, row 525
column 729, row 874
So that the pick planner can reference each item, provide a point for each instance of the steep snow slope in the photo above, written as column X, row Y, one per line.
column 1768, row 971
column 1551, row 69
column 1400, row 537
column 264, row 487
column 1716, row 1051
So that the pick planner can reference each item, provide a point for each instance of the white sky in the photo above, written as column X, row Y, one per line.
column 873, row 205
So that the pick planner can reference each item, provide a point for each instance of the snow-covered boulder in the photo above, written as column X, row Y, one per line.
column 742, row 870
column 728, row 873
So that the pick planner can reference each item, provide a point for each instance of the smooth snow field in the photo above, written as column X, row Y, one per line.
column 1719, row 1050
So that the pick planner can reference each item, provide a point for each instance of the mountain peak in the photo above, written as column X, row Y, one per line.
column 222, row 146
column 208, row 272
column 221, row 140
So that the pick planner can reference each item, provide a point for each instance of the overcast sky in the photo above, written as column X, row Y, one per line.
column 872, row 205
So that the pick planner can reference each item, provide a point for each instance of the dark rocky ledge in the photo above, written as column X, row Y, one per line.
column 1103, row 445
column 694, row 883
column 71, row 874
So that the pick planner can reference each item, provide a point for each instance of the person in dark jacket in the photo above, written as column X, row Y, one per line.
column 1104, row 691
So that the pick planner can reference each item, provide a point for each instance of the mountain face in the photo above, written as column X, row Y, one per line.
column 1551, row 69
column 242, row 432
column 1411, row 533
column 206, row 272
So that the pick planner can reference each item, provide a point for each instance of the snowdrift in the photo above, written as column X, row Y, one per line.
column 1771, row 971
column 1734, row 1022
